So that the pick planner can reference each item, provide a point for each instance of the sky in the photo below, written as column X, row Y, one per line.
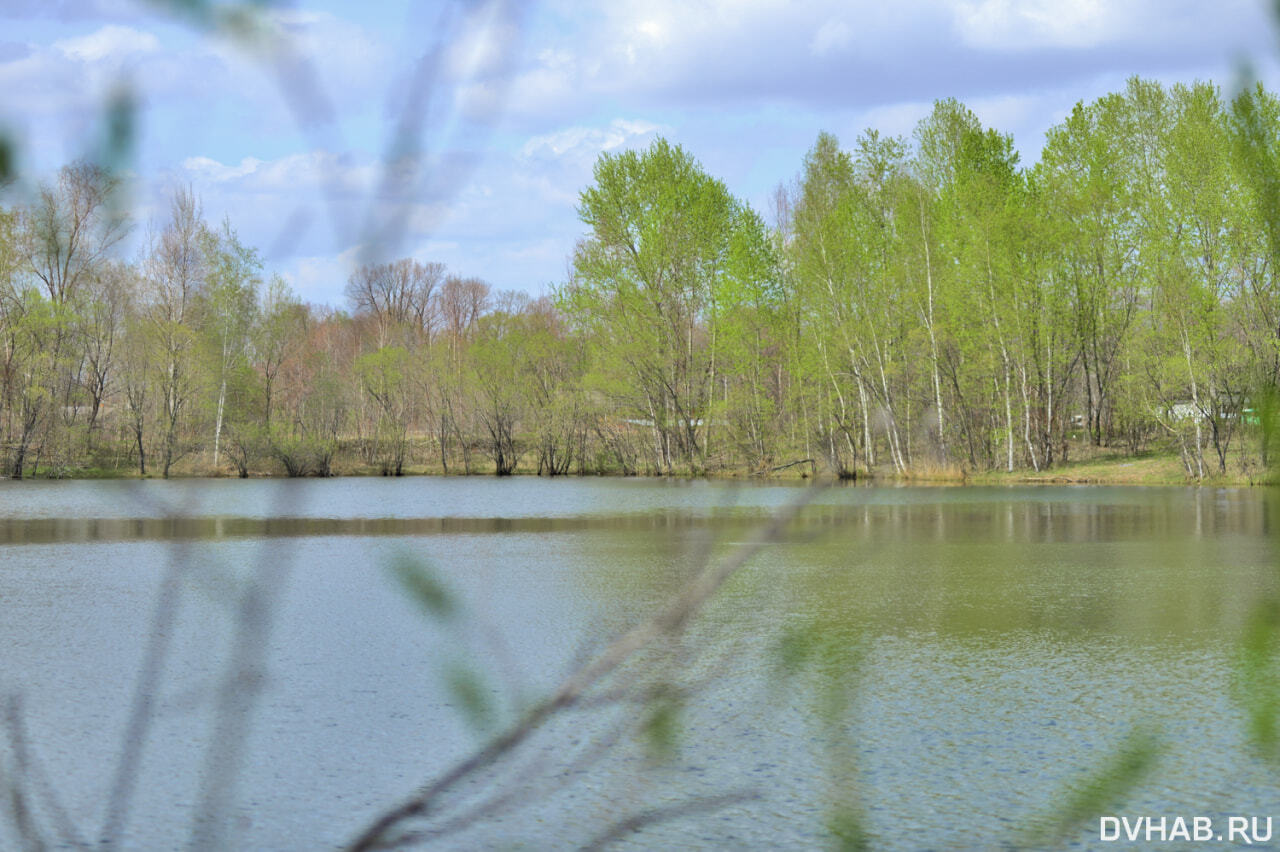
column 330, row 134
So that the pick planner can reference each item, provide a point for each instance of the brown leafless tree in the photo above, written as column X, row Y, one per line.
column 71, row 229
column 398, row 295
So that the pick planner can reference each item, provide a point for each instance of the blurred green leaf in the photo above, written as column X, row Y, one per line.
column 8, row 159
column 1257, row 681
column 121, row 127
column 793, row 652
column 848, row 830
column 473, row 697
column 195, row 12
column 117, row 148
column 1098, row 792
column 661, row 728
column 244, row 22
column 830, row 650
column 838, row 659
column 422, row 584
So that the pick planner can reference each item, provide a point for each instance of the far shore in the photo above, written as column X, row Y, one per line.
column 1164, row 469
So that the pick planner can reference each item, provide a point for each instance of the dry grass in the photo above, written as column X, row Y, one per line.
column 932, row 471
column 1115, row 468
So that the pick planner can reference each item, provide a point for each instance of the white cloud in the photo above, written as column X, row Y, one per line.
column 716, row 50
column 322, row 279
column 577, row 143
column 740, row 54
column 321, row 66
column 1007, row 112
column 298, row 203
column 556, row 59
column 544, row 90
column 831, row 35
column 114, row 43
column 744, row 85
column 214, row 171
column 1027, row 25
column 349, row 175
column 653, row 29
column 898, row 119
column 484, row 44
column 1038, row 24
column 479, row 100
column 550, row 170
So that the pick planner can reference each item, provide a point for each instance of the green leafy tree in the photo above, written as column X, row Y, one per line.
column 176, row 270
column 643, row 283
column 829, row 265
column 1087, row 184
column 498, row 371
column 984, row 198
column 229, row 311
column 749, row 334
column 385, row 375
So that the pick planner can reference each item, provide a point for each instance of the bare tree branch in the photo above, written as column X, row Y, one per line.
column 30, row 772
column 667, row 623
column 636, row 822
column 142, row 712
column 242, row 684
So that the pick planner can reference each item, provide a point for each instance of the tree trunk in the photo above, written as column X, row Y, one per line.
column 217, row 429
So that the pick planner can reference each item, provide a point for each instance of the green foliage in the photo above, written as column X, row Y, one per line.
column 383, row 372
column 118, row 145
column 8, row 159
column 301, row 452
column 1100, row 791
column 472, row 695
column 243, row 21
column 421, row 582
column 847, row 828
column 1257, row 682
column 644, row 285
column 825, row 655
column 660, row 728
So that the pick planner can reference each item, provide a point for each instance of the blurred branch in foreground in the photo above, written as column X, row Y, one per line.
column 393, row 827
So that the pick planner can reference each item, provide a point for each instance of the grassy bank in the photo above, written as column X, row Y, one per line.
column 1108, row 468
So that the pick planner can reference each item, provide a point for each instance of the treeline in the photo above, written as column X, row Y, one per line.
column 929, row 303
column 914, row 305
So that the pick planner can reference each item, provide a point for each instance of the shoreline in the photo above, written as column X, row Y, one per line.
column 1152, row 470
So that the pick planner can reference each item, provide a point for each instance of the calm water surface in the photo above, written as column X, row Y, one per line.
column 998, row 644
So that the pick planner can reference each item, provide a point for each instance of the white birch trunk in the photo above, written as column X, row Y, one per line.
column 217, row 429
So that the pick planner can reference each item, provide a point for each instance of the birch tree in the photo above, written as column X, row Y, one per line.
column 229, row 307
column 176, row 269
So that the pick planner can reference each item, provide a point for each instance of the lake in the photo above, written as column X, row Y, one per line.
column 944, row 662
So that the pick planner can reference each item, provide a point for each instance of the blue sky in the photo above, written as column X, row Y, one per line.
column 522, row 98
